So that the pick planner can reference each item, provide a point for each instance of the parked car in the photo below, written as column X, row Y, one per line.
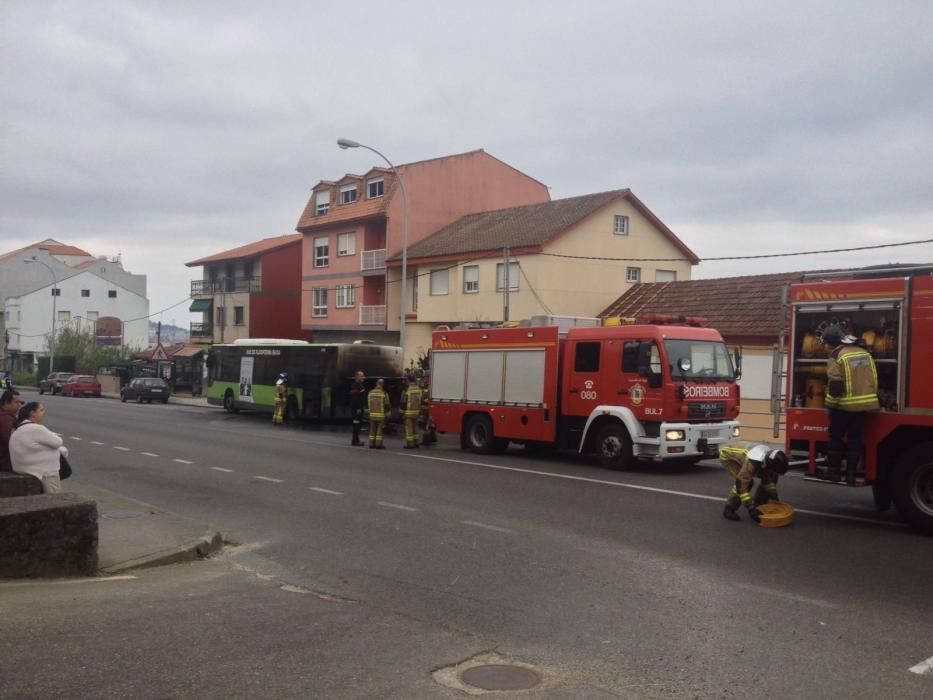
column 53, row 383
column 81, row 385
column 146, row 389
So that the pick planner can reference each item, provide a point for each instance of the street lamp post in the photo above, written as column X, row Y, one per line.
column 347, row 143
column 54, row 308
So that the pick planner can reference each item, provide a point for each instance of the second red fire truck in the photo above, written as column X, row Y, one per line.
column 663, row 390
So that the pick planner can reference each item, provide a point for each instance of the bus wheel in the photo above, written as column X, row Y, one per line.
column 229, row 406
column 614, row 446
column 479, row 437
column 912, row 487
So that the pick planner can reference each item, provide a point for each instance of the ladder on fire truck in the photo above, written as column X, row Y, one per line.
column 779, row 367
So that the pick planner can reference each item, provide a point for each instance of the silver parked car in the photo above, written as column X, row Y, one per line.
column 53, row 383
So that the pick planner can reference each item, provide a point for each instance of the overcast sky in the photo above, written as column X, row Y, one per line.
column 166, row 131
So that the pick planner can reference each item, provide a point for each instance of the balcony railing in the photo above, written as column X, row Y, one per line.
column 227, row 285
column 201, row 330
column 373, row 259
column 373, row 315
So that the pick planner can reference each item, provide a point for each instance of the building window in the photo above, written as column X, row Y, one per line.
column 665, row 275
column 321, row 203
column 346, row 244
column 375, row 188
column 85, row 292
column 439, row 282
column 56, row 292
column 621, row 225
column 238, row 316
column 320, row 251
column 414, row 294
column 221, row 316
column 633, row 274
column 248, row 269
column 586, row 358
column 513, row 277
column 471, row 279
column 346, row 296
column 347, row 194
column 319, row 302
column 93, row 315
column 112, row 294
column 64, row 316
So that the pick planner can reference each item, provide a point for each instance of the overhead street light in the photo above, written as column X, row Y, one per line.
column 347, row 143
column 54, row 307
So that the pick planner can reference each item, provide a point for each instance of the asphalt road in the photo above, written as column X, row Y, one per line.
column 618, row 584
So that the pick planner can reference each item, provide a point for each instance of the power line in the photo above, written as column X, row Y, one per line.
column 531, row 287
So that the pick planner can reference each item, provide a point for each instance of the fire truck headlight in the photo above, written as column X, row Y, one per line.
column 673, row 435
column 735, row 432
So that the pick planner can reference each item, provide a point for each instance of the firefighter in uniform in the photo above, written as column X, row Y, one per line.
column 745, row 461
column 411, row 404
column 852, row 391
column 281, row 399
column 378, row 402
column 357, row 403
column 429, row 430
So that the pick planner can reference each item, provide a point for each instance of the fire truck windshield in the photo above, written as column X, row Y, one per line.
column 698, row 360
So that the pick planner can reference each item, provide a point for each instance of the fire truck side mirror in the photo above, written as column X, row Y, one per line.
column 737, row 361
column 644, row 366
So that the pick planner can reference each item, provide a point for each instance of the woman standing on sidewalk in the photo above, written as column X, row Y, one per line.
column 36, row 450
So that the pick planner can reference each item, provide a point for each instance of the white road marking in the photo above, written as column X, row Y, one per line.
column 221, row 469
column 95, row 442
column 122, row 449
column 396, row 505
column 75, row 437
column 269, row 478
column 182, row 461
column 328, row 491
column 149, row 454
column 488, row 527
column 789, row 596
column 924, row 668
column 638, row 487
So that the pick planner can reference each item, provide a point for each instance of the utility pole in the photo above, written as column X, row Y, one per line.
column 506, row 284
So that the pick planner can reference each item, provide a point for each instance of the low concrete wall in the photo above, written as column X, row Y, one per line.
column 13, row 484
column 49, row 535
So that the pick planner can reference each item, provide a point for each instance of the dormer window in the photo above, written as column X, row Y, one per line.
column 347, row 194
column 375, row 188
column 321, row 203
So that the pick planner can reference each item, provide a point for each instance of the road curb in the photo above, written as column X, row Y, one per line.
column 200, row 548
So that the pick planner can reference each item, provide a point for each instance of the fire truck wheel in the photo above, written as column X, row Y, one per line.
column 913, row 487
column 614, row 446
column 479, row 437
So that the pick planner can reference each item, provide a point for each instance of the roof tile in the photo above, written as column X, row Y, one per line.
column 249, row 250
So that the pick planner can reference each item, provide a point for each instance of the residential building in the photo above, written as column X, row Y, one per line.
column 566, row 257
column 90, row 293
column 352, row 225
column 253, row 291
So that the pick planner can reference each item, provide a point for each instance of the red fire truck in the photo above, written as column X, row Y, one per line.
column 646, row 390
column 892, row 313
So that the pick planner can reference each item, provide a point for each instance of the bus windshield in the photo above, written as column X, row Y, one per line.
column 701, row 360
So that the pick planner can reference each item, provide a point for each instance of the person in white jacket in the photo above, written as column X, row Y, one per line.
column 35, row 450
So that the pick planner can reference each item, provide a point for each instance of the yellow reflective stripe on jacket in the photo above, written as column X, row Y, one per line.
column 863, row 400
column 731, row 451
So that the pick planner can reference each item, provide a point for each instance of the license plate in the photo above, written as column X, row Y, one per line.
column 709, row 433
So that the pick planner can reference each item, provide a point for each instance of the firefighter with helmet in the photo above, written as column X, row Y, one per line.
column 411, row 405
column 851, row 392
column 378, row 402
column 281, row 399
column 746, row 461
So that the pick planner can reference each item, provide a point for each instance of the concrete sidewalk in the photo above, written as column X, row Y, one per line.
column 133, row 534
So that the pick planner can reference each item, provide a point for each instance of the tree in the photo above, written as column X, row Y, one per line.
column 89, row 356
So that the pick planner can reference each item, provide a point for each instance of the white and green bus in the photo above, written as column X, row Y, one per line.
column 242, row 375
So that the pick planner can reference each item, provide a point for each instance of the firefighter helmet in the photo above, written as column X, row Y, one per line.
column 832, row 335
column 776, row 461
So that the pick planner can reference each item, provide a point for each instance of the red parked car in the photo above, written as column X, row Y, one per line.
column 81, row 385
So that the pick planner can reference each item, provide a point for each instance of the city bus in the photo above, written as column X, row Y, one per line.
column 242, row 375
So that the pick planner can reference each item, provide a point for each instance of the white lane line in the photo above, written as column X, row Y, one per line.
column 75, row 437
column 95, row 442
column 924, row 668
column 182, row 461
column 269, row 478
column 122, row 449
column 221, row 469
column 494, row 528
column 327, row 491
column 638, row 487
column 396, row 505
column 149, row 454
column 789, row 596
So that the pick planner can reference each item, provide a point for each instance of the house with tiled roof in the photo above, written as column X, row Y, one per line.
column 251, row 291
column 566, row 257
column 353, row 224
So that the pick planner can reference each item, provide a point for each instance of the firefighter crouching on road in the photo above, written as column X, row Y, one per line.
column 281, row 399
column 357, row 403
column 411, row 404
column 378, row 402
column 745, row 461
column 852, row 391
